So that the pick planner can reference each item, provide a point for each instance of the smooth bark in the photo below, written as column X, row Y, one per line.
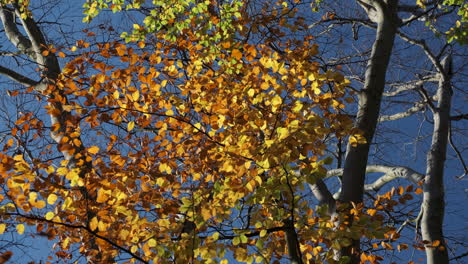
column 433, row 199
column 384, row 13
column 33, row 44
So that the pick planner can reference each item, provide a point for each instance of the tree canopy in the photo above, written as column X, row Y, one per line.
column 207, row 133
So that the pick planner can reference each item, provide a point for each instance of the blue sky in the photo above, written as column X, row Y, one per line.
column 403, row 143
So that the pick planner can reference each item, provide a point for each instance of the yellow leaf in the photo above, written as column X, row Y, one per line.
column 421, row 3
column 263, row 233
column 315, row 88
column 62, row 171
column 71, row 175
column 130, row 126
column 20, row 229
column 160, row 181
column 134, row 248
column 371, row 212
column 94, row 223
column 224, row 261
column 135, row 95
column 32, row 197
column 124, row 234
column 206, row 213
column 50, row 169
column 264, row 163
column 2, row 228
column 18, row 158
column 282, row 133
column 276, row 100
column 49, row 215
column 317, row 250
column 163, row 167
column 250, row 186
column 93, row 150
column 102, row 226
column 116, row 94
column 354, row 140
column 297, row 107
column 68, row 202
column 152, row 242
column 100, row 78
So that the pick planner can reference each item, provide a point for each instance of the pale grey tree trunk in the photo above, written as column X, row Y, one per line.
column 384, row 13
column 433, row 199
column 33, row 44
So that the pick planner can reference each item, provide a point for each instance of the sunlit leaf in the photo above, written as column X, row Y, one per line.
column 20, row 229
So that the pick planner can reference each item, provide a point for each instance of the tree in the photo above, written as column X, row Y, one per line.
column 434, row 245
column 195, row 141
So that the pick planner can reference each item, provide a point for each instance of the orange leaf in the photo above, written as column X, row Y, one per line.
column 237, row 54
column 5, row 257
column 93, row 150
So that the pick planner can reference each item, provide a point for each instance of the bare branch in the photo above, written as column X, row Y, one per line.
column 410, row 111
column 390, row 173
column 426, row 97
column 459, row 117
column 411, row 85
column 457, row 152
column 422, row 44
column 17, row 77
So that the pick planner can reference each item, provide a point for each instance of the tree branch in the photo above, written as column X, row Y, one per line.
column 409, row 86
column 459, row 117
column 410, row 111
column 13, row 34
column 422, row 44
column 390, row 173
column 19, row 78
column 323, row 195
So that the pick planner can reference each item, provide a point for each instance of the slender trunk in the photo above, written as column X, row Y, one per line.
column 292, row 242
column 384, row 13
column 33, row 44
column 433, row 198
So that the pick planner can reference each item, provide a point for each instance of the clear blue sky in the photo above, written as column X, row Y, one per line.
column 406, row 147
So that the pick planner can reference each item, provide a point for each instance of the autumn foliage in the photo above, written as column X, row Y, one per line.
column 191, row 144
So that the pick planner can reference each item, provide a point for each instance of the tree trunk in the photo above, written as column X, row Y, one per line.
column 33, row 44
column 433, row 199
column 292, row 242
column 384, row 13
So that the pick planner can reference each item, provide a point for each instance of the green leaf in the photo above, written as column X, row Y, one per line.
column 235, row 241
